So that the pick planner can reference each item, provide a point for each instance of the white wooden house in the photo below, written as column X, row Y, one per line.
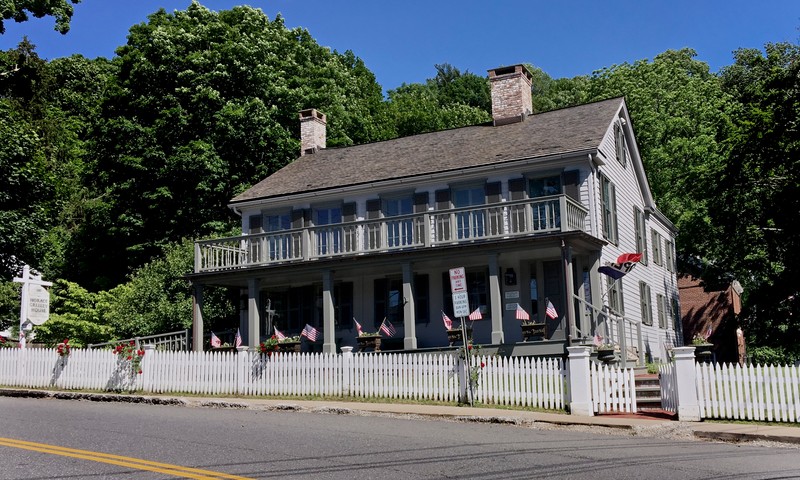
column 530, row 204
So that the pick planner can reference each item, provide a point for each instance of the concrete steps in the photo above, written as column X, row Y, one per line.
column 648, row 391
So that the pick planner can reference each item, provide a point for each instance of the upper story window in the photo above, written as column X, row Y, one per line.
column 275, row 222
column 644, row 297
column 328, row 215
column 641, row 234
column 545, row 186
column 619, row 143
column 669, row 251
column 393, row 207
column 608, row 196
column 470, row 223
column 658, row 259
column 400, row 232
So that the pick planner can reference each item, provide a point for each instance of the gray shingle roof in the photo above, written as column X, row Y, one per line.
column 562, row 131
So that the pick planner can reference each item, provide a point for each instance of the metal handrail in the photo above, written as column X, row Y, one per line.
column 611, row 325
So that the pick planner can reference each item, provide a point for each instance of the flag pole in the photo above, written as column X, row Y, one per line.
column 467, row 355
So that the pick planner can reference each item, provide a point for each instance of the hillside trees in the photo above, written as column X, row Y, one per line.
column 204, row 105
column 759, row 192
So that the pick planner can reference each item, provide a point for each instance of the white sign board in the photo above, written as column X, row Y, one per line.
column 461, row 304
column 38, row 304
column 458, row 280
column 512, row 294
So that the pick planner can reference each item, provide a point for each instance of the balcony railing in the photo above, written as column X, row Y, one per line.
column 404, row 232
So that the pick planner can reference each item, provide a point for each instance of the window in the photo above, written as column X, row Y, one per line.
column 615, row 300
column 657, row 258
column 669, row 251
column 641, row 234
column 278, row 246
column 619, row 143
column 662, row 307
column 296, row 306
column 647, row 311
column 400, row 232
column 477, row 292
column 389, row 302
column 608, row 198
column 546, row 214
column 343, row 304
column 328, row 240
column 676, row 314
column 469, row 224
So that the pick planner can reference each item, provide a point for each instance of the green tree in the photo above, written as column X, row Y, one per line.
column 76, row 316
column 157, row 297
column 18, row 10
column 203, row 106
column 758, row 193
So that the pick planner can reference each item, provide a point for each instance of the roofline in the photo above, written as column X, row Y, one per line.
column 356, row 188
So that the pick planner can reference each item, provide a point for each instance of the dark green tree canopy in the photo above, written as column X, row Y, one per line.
column 18, row 10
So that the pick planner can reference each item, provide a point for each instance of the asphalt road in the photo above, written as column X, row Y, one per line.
column 154, row 442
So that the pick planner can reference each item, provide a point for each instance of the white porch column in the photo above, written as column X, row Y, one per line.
column 197, row 318
column 496, row 300
column 329, row 329
column 409, row 312
column 685, row 378
column 580, row 392
column 253, row 333
column 569, row 291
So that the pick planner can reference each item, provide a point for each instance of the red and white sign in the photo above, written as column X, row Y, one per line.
column 458, row 280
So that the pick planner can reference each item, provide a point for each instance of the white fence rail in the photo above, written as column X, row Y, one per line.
column 764, row 393
column 515, row 381
column 613, row 388
column 522, row 381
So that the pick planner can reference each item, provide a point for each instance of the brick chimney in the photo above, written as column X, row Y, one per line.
column 511, row 94
column 312, row 130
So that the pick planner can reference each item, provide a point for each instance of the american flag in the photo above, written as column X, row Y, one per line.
column 215, row 341
column 358, row 326
column 476, row 315
column 522, row 314
column 598, row 340
column 238, row 341
column 310, row 333
column 279, row 335
column 448, row 324
column 387, row 328
column 551, row 310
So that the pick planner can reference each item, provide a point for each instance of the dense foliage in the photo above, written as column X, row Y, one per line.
column 18, row 10
column 110, row 165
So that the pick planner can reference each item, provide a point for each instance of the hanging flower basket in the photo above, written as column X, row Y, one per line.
column 367, row 343
column 533, row 331
column 703, row 352
column 455, row 336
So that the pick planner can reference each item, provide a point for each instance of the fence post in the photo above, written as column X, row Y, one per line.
column 242, row 357
column 147, row 367
column 463, row 380
column 347, row 366
column 686, row 383
column 580, row 393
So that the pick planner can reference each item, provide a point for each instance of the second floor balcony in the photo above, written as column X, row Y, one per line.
column 543, row 215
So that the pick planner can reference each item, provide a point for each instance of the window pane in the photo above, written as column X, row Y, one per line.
column 542, row 187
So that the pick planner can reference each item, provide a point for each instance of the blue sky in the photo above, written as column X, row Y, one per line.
column 402, row 41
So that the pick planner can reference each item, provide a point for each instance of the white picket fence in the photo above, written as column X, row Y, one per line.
column 521, row 381
column 613, row 388
column 669, row 387
column 505, row 381
column 765, row 393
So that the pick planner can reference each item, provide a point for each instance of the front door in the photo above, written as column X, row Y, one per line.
column 547, row 285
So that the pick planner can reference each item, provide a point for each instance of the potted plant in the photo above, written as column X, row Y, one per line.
column 702, row 348
column 532, row 331
column 289, row 344
column 607, row 353
column 269, row 346
column 369, row 341
column 455, row 335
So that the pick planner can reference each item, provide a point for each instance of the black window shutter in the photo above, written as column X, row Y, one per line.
column 349, row 212
column 493, row 192
column 571, row 184
column 298, row 217
column 516, row 188
column 255, row 224
column 420, row 202
column 373, row 208
column 442, row 199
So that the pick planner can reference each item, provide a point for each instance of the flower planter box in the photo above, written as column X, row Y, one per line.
column 369, row 344
column 455, row 336
column 533, row 331
column 223, row 349
column 607, row 355
column 703, row 352
column 289, row 347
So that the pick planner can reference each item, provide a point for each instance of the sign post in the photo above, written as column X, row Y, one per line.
column 34, row 306
column 458, row 288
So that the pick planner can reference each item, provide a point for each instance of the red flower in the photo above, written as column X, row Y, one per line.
column 140, row 372
column 130, row 357
column 469, row 347
column 141, row 353
column 132, row 343
column 483, row 364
